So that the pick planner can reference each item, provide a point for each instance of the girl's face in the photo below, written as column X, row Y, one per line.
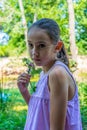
column 41, row 49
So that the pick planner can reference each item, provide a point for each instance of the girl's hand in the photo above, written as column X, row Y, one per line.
column 23, row 80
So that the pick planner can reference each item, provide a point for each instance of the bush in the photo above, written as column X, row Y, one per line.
column 83, row 103
column 3, row 51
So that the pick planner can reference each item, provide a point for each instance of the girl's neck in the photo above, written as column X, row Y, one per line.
column 47, row 67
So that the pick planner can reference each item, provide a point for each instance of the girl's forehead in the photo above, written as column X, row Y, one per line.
column 34, row 30
column 38, row 33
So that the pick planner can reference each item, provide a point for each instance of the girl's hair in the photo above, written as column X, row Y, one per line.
column 53, row 31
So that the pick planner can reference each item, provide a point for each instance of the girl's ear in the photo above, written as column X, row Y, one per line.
column 59, row 45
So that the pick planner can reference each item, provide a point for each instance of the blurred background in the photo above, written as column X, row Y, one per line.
column 16, row 16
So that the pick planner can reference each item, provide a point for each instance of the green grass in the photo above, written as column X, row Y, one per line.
column 13, row 112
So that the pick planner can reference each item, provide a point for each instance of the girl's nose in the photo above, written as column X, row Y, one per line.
column 35, row 52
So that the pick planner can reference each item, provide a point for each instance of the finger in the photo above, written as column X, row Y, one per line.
column 24, row 79
column 22, row 82
column 23, row 76
column 26, row 73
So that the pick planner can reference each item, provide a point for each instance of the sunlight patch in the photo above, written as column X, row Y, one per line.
column 20, row 108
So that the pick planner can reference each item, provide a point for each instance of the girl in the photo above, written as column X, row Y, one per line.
column 54, row 105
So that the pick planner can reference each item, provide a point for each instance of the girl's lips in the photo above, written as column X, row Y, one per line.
column 36, row 59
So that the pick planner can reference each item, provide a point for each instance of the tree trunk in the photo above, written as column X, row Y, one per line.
column 23, row 20
column 73, row 48
column 35, row 17
column 35, row 5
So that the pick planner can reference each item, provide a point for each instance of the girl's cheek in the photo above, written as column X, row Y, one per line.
column 30, row 53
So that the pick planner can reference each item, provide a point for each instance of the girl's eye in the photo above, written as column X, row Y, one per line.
column 30, row 45
column 41, row 45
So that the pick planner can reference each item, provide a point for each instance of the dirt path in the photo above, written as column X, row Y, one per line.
column 82, row 62
column 4, row 61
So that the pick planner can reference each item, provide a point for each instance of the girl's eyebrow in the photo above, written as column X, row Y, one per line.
column 39, row 42
column 29, row 41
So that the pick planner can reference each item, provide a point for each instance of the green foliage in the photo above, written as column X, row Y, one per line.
column 13, row 112
column 4, row 51
column 82, row 47
column 32, row 87
column 83, row 103
column 58, row 10
column 72, row 65
column 81, row 26
column 13, row 27
column 15, row 109
column 29, row 65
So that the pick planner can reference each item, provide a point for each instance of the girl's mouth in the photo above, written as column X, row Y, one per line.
column 36, row 59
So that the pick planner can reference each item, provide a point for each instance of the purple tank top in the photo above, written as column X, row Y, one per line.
column 38, row 116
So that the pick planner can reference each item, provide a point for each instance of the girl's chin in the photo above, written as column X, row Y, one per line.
column 38, row 63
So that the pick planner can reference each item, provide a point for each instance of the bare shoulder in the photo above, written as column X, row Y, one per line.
column 58, row 79
column 58, row 73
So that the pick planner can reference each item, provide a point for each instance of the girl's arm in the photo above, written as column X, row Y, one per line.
column 22, row 83
column 58, row 84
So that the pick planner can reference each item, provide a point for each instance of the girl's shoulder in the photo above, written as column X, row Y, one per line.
column 58, row 76
column 58, row 71
column 61, row 73
column 60, row 67
column 62, row 78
